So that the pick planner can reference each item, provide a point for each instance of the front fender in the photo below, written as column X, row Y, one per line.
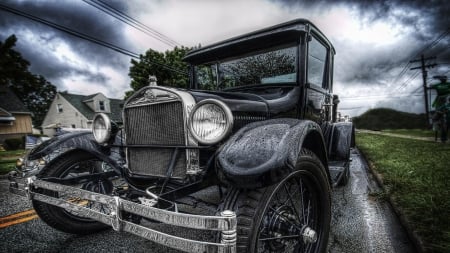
column 82, row 141
column 262, row 153
column 343, row 138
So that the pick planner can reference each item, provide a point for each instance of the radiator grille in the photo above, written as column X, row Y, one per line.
column 155, row 124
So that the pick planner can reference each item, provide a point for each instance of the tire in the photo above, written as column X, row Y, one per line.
column 64, row 220
column 301, row 201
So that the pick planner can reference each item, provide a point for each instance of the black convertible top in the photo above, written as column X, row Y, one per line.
column 284, row 33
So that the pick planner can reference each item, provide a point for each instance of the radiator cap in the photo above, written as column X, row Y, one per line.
column 152, row 80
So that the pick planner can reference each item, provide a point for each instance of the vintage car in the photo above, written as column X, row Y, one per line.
column 256, row 127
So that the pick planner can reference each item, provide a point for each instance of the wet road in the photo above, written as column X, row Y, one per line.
column 360, row 223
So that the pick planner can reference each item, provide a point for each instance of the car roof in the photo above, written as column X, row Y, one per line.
column 283, row 33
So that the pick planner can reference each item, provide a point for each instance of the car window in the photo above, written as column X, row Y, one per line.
column 277, row 65
column 206, row 76
column 316, row 62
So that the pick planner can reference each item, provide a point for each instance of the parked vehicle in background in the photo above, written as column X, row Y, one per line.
column 258, row 121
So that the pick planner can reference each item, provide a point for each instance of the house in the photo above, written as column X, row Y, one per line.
column 72, row 111
column 15, row 118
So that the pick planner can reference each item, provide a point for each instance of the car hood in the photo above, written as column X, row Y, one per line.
column 266, row 103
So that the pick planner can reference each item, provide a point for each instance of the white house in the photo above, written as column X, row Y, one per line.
column 77, row 111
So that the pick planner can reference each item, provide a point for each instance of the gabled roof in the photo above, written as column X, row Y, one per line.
column 116, row 106
column 77, row 101
column 90, row 97
column 9, row 102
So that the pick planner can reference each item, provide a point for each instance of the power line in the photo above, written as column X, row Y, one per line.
column 69, row 31
column 414, row 91
column 427, row 47
column 100, row 5
column 350, row 108
column 433, row 43
column 405, row 83
column 424, row 68
column 85, row 37
column 381, row 97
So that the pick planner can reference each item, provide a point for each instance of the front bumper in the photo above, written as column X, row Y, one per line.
column 225, row 223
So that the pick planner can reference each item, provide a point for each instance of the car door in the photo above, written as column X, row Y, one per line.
column 318, row 81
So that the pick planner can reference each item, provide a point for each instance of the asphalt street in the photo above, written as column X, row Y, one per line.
column 360, row 223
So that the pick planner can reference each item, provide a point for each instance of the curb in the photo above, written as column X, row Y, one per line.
column 414, row 237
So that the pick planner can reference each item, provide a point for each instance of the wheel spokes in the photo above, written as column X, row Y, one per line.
column 290, row 213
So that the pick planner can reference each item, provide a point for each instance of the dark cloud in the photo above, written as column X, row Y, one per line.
column 425, row 30
column 433, row 14
column 356, row 64
column 76, row 15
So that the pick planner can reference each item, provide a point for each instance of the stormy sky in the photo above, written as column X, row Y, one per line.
column 375, row 41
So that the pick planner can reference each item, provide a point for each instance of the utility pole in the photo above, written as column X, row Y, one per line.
column 424, row 76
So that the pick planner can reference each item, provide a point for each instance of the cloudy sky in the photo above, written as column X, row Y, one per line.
column 375, row 40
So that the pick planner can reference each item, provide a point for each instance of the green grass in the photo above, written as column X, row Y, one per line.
column 416, row 175
column 8, row 160
column 411, row 132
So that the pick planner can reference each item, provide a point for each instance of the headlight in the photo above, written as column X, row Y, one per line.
column 210, row 121
column 19, row 162
column 101, row 128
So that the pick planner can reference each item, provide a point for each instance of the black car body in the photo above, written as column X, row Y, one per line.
column 257, row 120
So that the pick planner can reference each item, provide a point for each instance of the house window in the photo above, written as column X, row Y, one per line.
column 73, row 126
column 59, row 107
column 101, row 105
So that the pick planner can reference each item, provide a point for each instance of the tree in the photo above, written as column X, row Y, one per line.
column 13, row 68
column 168, row 68
column 250, row 70
column 33, row 90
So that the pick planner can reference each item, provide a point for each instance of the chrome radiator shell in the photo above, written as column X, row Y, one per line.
column 157, row 116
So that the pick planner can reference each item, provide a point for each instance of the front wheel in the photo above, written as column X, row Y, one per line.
column 290, row 216
column 69, row 166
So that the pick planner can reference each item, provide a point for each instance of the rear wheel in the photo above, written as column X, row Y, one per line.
column 69, row 166
column 290, row 216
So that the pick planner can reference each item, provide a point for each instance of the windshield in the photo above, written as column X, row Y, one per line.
column 273, row 66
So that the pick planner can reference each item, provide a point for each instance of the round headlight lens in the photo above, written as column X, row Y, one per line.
column 101, row 128
column 210, row 121
column 19, row 162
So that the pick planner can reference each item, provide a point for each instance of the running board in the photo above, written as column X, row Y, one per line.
column 226, row 223
column 337, row 172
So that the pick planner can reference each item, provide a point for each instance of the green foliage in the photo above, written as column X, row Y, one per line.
column 8, row 160
column 383, row 118
column 416, row 176
column 13, row 144
column 33, row 90
column 168, row 68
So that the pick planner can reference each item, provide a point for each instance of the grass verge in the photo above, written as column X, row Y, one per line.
column 411, row 132
column 416, row 176
column 8, row 160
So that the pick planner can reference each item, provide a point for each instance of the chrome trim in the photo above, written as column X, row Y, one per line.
column 249, row 118
column 108, row 126
column 226, row 223
column 164, row 95
column 228, row 115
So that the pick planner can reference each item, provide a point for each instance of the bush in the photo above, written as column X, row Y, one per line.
column 13, row 144
column 383, row 118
